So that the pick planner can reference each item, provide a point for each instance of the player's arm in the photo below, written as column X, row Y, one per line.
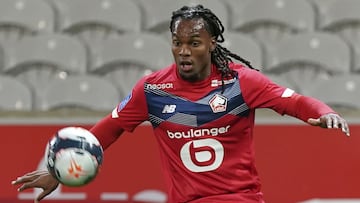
column 107, row 131
column 37, row 179
column 314, row 112
column 260, row 92
column 126, row 116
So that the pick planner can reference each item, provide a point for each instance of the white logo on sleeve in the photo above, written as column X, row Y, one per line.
column 114, row 113
column 287, row 93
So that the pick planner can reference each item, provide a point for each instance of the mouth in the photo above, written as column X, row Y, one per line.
column 185, row 65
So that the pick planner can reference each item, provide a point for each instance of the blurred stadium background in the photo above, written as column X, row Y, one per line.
column 69, row 62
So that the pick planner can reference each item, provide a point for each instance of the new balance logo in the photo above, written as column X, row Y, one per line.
column 169, row 108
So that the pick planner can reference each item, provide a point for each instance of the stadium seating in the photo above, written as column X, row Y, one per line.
column 80, row 91
column 233, row 7
column 14, row 95
column 320, row 7
column 271, row 20
column 37, row 60
column 294, row 42
column 246, row 47
column 297, row 15
column 280, row 80
column 1, row 58
column 309, row 56
column 24, row 17
column 337, row 14
column 343, row 19
column 157, row 13
column 125, row 59
column 135, row 48
column 90, row 19
column 341, row 92
column 53, row 49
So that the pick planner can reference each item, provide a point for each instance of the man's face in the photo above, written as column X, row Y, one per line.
column 192, row 46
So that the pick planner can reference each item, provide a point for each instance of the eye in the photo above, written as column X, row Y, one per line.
column 195, row 43
column 176, row 43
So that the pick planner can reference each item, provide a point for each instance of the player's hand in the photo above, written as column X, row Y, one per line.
column 331, row 120
column 37, row 179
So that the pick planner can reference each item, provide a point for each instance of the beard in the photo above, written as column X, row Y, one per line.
column 190, row 77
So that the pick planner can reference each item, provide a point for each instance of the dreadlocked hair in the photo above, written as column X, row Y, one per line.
column 221, row 56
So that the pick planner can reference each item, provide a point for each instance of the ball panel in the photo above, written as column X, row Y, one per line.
column 75, row 167
column 73, row 156
column 76, row 133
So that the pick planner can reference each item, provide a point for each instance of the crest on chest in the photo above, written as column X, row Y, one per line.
column 218, row 103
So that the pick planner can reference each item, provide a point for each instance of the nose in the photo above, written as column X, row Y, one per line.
column 185, row 51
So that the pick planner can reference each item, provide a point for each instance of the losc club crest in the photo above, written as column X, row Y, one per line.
column 218, row 103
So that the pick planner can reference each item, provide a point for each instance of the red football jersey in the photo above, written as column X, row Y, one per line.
column 205, row 131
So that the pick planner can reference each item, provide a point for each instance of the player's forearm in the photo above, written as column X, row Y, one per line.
column 106, row 131
column 304, row 107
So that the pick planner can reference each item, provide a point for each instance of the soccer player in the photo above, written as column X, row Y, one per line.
column 202, row 110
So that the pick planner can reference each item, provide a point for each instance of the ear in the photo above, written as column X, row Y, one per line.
column 212, row 44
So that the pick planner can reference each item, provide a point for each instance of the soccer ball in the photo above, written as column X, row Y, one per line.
column 73, row 156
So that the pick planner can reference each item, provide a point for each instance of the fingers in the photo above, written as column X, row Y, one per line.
column 24, row 187
column 314, row 122
column 28, row 177
column 42, row 195
column 30, row 184
column 335, row 121
column 46, row 191
column 345, row 128
column 37, row 179
column 331, row 121
column 29, row 180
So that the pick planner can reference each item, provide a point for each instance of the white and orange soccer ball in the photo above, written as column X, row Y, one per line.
column 73, row 156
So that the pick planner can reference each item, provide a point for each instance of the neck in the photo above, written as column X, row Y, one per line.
column 201, row 76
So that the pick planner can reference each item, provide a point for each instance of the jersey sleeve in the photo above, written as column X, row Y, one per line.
column 132, row 110
column 128, row 114
column 260, row 92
